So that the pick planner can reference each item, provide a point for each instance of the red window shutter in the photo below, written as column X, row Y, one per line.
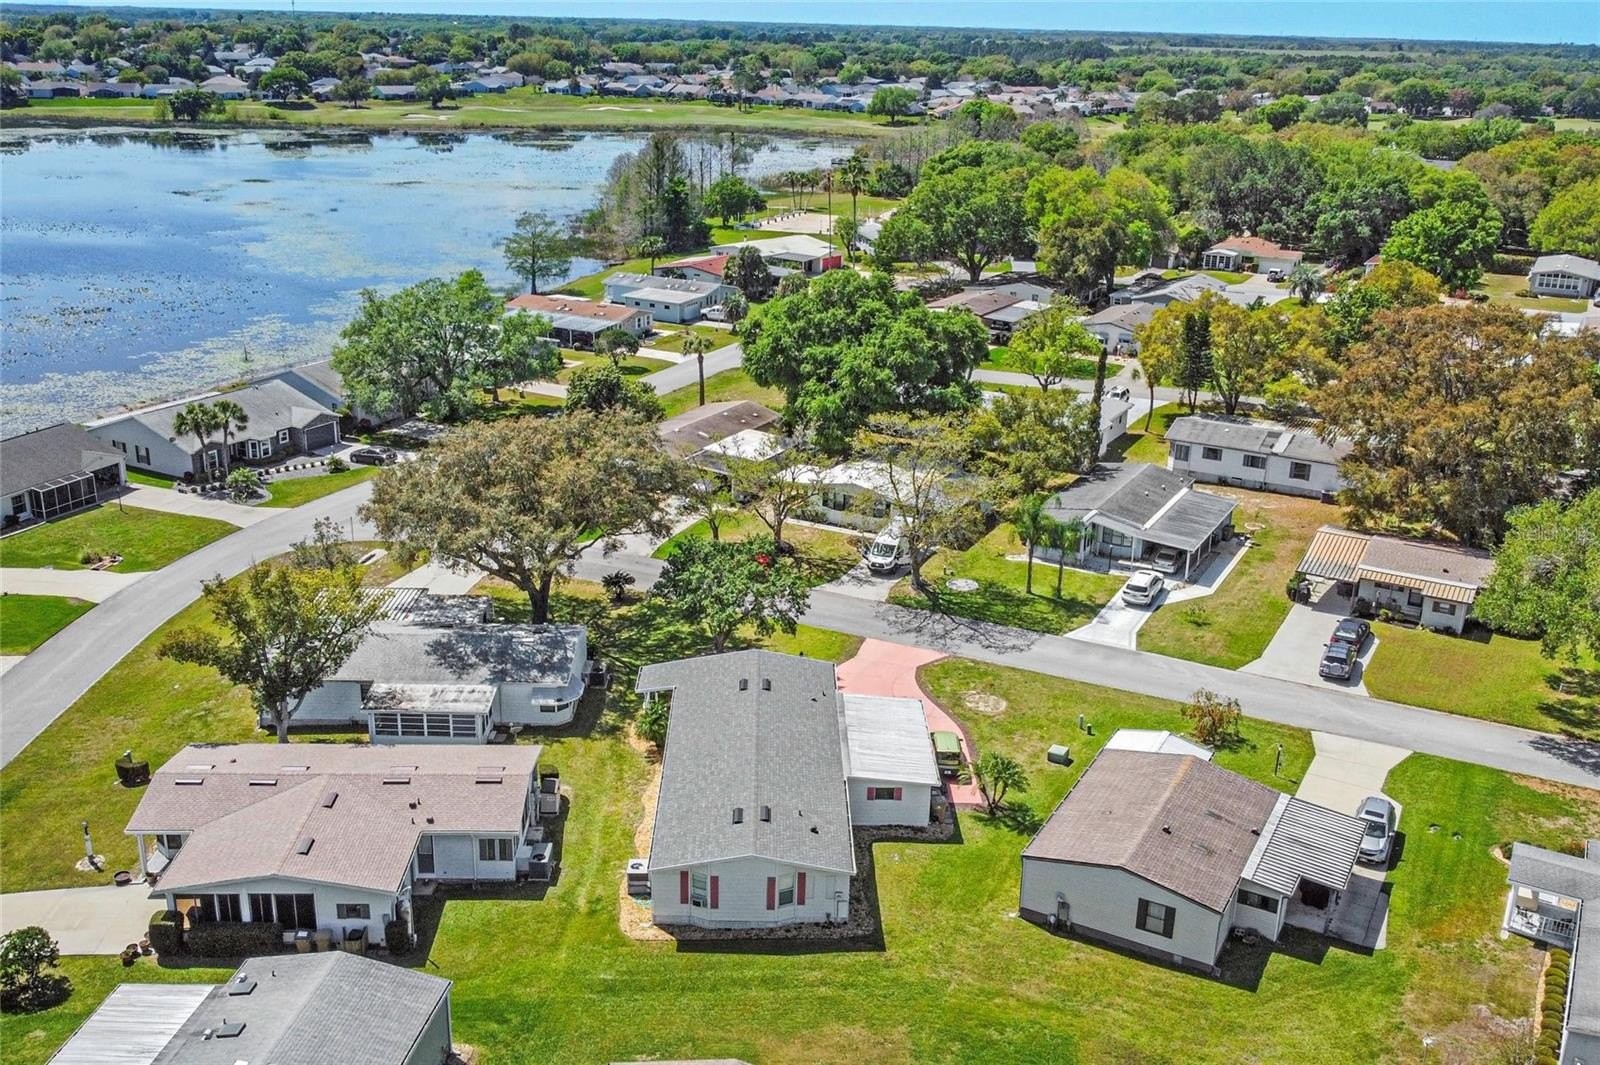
column 772, row 893
column 799, row 889
column 683, row 886
column 714, row 899
column 898, row 792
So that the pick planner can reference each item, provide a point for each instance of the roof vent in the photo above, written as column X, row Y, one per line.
column 397, row 778
column 738, row 815
column 294, row 769
column 199, row 767
column 241, row 986
column 264, row 782
column 190, row 782
column 229, row 1030
column 744, row 684
column 766, row 813
column 490, row 774
column 814, row 831
column 1167, row 829
column 766, row 684
column 329, row 799
column 304, row 846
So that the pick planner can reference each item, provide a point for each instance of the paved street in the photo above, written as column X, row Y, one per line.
column 687, row 373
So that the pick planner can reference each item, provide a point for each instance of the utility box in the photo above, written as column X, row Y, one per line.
column 1059, row 754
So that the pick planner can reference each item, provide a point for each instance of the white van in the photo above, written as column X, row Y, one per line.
column 889, row 551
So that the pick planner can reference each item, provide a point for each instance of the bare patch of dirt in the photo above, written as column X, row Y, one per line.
column 984, row 703
column 633, row 916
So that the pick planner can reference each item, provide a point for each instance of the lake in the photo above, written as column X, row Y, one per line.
column 138, row 265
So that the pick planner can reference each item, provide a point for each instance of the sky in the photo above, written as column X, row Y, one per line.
column 1530, row 21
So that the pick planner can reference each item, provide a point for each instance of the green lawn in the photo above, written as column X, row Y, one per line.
column 720, row 388
column 292, row 491
column 1137, row 445
column 822, row 553
column 26, row 621
column 146, row 539
column 956, row 977
column 1504, row 289
column 1499, row 678
column 152, row 480
column 1234, row 625
column 671, row 338
column 1001, row 596
column 1000, row 359
column 1227, row 277
column 632, row 366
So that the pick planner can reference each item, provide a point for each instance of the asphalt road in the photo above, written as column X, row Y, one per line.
column 685, row 373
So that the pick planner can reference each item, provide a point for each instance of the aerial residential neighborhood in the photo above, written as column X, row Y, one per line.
column 532, row 535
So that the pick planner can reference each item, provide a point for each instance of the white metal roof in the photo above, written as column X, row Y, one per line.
column 752, row 444
column 887, row 739
column 1304, row 841
column 133, row 1025
column 1156, row 741
column 475, row 699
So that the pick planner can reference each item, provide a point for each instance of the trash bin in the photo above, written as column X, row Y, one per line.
column 302, row 942
column 324, row 938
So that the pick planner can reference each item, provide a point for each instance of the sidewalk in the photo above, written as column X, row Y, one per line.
column 90, row 585
column 175, row 502
column 88, row 920
column 436, row 578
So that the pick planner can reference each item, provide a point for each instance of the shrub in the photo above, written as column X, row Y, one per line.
column 232, row 939
column 652, row 723
column 1511, row 264
column 166, row 936
column 1214, row 718
column 616, row 583
column 396, row 937
column 337, row 465
column 88, row 555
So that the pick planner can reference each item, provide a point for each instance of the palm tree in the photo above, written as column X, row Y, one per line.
column 734, row 308
column 231, row 419
column 852, row 178
column 697, row 345
column 1062, row 537
column 1305, row 282
column 996, row 774
column 1029, row 520
column 200, row 421
column 653, row 247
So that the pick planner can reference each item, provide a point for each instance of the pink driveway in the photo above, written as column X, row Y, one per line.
column 883, row 668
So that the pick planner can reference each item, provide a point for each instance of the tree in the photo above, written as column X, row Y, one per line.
column 1089, row 224
column 1064, row 538
column 436, row 345
column 199, row 421
column 602, row 387
column 696, row 345
column 1029, row 440
column 709, row 500
column 284, row 631
column 1458, row 414
column 1571, row 221
column 747, row 271
column 616, row 344
column 325, row 548
column 731, row 198
column 12, row 94
column 973, row 216
column 847, row 231
column 284, row 82
column 435, row 88
column 1051, row 344
column 1158, row 341
column 191, row 105
column 1194, row 355
column 353, row 91
column 775, row 490
column 1032, row 525
column 1214, row 718
column 1305, row 281
column 850, row 345
column 1247, row 348
column 919, row 460
column 538, row 249
column 230, row 418
column 25, row 954
column 1283, row 112
column 892, row 100
column 1546, row 579
column 851, row 177
column 735, row 307
column 652, row 247
column 522, row 498
column 720, row 586
column 998, row 775
column 1453, row 240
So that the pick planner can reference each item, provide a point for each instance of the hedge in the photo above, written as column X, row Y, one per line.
column 165, row 935
column 232, row 939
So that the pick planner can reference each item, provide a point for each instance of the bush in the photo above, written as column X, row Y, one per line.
column 337, row 465
column 616, row 583
column 232, row 939
column 89, row 555
column 652, row 723
column 1213, row 718
column 396, row 937
column 166, row 936
column 1511, row 264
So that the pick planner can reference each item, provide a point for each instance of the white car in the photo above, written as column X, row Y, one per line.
column 1142, row 588
column 1165, row 559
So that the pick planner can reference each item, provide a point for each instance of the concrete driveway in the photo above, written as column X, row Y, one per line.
column 859, row 582
column 90, row 920
column 90, row 585
column 1296, row 648
column 1117, row 623
column 174, row 502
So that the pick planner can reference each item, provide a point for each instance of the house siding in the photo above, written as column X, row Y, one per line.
column 742, row 895
column 1431, row 612
column 1230, row 469
column 130, row 436
column 1103, row 903
column 433, row 1045
column 1561, row 283
column 911, row 808
column 327, row 897
column 338, row 702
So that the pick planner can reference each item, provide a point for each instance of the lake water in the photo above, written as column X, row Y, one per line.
column 138, row 265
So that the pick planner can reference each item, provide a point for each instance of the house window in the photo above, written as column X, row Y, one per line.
column 221, row 908
column 352, row 911
column 883, row 793
column 1255, row 462
column 1257, row 901
column 1211, row 454
column 833, row 499
column 212, row 459
column 496, row 850
column 19, row 504
column 1180, row 452
column 699, row 890
column 1443, row 608
column 170, row 841
column 786, row 890
column 1112, row 538
column 1414, row 599
column 120, row 446
column 425, row 856
column 296, row 911
column 1156, row 918
column 141, row 455
column 1299, row 471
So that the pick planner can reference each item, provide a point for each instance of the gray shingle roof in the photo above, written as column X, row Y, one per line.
column 1547, row 870
column 1159, row 502
column 1255, row 438
column 269, row 405
column 774, row 743
column 1575, row 265
column 1174, row 820
column 694, row 429
column 43, row 455
column 332, row 1008
column 542, row 655
column 1126, row 315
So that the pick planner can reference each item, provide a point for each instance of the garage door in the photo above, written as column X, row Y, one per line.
column 320, row 436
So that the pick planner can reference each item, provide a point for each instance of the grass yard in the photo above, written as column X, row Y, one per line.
column 152, row 480
column 1137, row 445
column 1000, row 359
column 822, row 553
column 1001, row 595
column 1227, row 277
column 632, row 366
column 956, row 977
column 1504, row 289
column 1234, row 625
column 146, row 539
column 722, row 387
column 1499, row 678
column 671, row 338
column 26, row 621
column 292, row 491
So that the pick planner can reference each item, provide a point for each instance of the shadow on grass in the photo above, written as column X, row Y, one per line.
column 1575, row 704
column 1016, row 817
column 998, row 604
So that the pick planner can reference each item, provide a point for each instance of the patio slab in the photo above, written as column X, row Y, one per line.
column 89, row 920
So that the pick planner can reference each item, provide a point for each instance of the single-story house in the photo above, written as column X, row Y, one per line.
column 1250, row 454
column 762, row 782
column 1166, row 853
column 696, row 429
column 1178, row 290
column 324, row 88
column 1248, row 254
column 1554, row 900
column 395, row 92
column 1114, row 325
column 332, row 837
column 854, row 495
column 675, row 300
column 328, row 1008
column 1000, row 310
column 259, row 64
column 1130, row 510
column 575, row 322
column 49, row 89
column 1572, row 276
column 800, row 253
column 110, row 90
column 54, row 471
column 747, row 445
column 227, row 87
column 434, row 670
column 1432, row 584
column 709, row 268
column 281, row 421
